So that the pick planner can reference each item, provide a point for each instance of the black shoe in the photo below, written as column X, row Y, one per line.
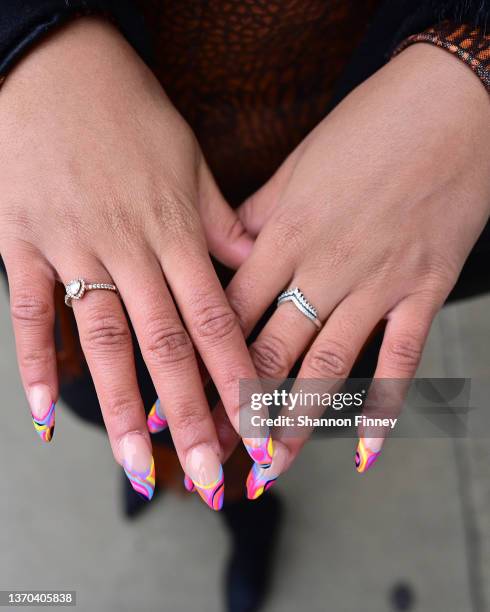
column 254, row 527
column 132, row 503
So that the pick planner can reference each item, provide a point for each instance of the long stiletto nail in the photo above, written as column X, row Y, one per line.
column 188, row 484
column 43, row 411
column 258, row 481
column 365, row 458
column 206, row 472
column 138, row 465
column 261, row 450
column 156, row 420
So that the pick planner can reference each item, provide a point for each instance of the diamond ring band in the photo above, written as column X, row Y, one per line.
column 78, row 287
column 298, row 299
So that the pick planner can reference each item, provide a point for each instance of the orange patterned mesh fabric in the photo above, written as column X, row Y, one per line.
column 252, row 77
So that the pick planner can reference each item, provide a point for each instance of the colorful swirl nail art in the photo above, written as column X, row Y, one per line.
column 45, row 425
column 188, row 484
column 142, row 482
column 365, row 458
column 156, row 420
column 213, row 493
column 261, row 454
column 258, row 482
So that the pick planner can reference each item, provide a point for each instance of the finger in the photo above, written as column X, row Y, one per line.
column 260, row 279
column 279, row 345
column 31, row 284
column 227, row 238
column 228, row 438
column 401, row 350
column 215, row 331
column 171, row 361
column 257, row 272
column 325, row 367
column 106, row 342
column 275, row 351
column 257, row 209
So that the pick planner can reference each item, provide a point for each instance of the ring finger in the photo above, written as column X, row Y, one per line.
column 171, row 361
column 106, row 342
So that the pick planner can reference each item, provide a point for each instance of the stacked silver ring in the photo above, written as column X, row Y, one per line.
column 298, row 299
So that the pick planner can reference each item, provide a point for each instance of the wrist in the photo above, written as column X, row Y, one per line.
column 86, row 59
column 428, row 64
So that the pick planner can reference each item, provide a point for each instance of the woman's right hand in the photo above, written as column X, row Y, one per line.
column 102, row 179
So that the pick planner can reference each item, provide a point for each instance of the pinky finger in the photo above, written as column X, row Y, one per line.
column 399, row 357
column 31, row 284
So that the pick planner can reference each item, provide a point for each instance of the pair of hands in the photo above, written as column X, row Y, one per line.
column 372, row 216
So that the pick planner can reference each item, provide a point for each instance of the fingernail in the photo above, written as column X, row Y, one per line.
column 43, row 411
column 206, row 473
column 138, row 465
column 261, row 450
column 258, row 481
column 365, row 457
column 156, row 420
column 188, row 484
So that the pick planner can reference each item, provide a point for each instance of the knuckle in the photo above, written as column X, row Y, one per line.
column 118, row 408
column 270, row 357
column 167, row 342
column 404, row 352
column 17, row 220
column 215, row 322
column 187, row 421
column 289, row 234
column 39, row 358
column 241, row 305
column 124, row 225
column 178, row 214
column 106, row 332
column 330, row 360
column 31, row 309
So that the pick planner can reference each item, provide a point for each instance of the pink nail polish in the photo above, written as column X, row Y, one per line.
column 138, row 465
column 206, row 472
column 156, row 420
column 365, row 458
column 188, row 484
column 261, row 450
column 258, row 481
column 43, row 411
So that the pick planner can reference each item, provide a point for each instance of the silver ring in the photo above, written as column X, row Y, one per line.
column 78, row 287
column 298, row 299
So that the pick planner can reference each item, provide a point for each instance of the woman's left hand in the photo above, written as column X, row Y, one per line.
column 372, row 217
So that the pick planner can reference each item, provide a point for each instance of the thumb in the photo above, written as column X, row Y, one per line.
column 256, row 210
column 226, row 236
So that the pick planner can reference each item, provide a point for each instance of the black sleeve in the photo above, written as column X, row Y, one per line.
column 23, row 22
